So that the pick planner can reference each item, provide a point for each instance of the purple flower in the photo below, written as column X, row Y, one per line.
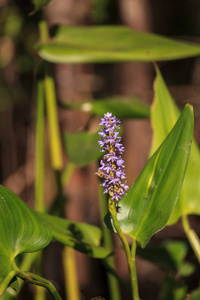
column 112, row 168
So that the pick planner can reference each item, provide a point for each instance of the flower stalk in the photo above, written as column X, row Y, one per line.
column 112, row 172
column 130, row 255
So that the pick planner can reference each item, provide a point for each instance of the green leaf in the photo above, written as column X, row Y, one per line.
column 164, row 114
column 172, row 290
column 82, row 237
column 147, row 206
column 21, row 230
column 121, row 107
column 111, row 44
column 195, row 294
column 82, row 148
column 186, row 269
column 169, row 255
column 39, row 4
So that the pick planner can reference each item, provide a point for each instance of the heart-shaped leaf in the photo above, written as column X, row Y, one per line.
column 82, row 237
column 111, row 44
column 21, row 230
column 121, row 107
column 164, row 114
column 82, row 147
column 147, row 206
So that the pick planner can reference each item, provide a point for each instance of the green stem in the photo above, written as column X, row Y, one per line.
column 43, row 30
column 109, row 261
column 112, row 271
column 69, row 260
column 72, row 288
column 27, row 262
column 39, row 291
column 39, row 149
column 130, row 259
column 52, row 116
column 6, row 282
column 66, row 174
column 35, row 279
column 192, row 236
column 56, row 157
column 133, row 268
column 39, row 157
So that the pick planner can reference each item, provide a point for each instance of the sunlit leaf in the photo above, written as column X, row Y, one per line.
column 164, row 114
column 111, row 44
column 82, row 148
column 147, row 206
column 21, row 230
column 82, row 237
column 121, row 107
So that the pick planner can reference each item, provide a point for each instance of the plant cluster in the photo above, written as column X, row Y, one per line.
column 165, row 191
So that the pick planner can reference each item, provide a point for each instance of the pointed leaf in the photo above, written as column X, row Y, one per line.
column 21, row 230
column 82, row 147
column 164, row 114
column 82, row 237
column 111, row 44
column 121, row 107
column 147, row 206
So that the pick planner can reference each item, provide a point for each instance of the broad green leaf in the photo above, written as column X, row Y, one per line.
column 21, row 230
column 111, row 44
column 82, row 148
column 82, row 237
column 39, row 4
column 164, row 114
column 120, row 107
column 147, row 206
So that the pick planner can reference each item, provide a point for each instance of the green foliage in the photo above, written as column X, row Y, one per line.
column 195, row 295
column 164, row 114
column 39, row 4
column 82, row 147
column 80, row 236
column 172, row 290
column 147, row 206
column 121, row 107
column 21, row 230
column 99, row 11
column 170, row 256
column 111, row 44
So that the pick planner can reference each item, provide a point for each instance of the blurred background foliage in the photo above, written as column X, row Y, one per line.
column 19, row 64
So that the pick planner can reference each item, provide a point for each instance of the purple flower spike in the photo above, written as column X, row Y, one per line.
column 112, row 168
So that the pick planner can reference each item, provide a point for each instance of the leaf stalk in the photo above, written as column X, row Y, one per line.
column 192, row 236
